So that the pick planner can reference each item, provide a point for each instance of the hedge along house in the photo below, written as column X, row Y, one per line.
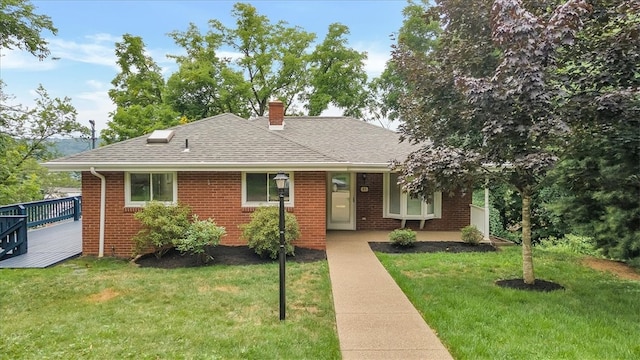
column 222, row 167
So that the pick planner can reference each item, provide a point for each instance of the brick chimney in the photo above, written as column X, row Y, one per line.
column 276, row 115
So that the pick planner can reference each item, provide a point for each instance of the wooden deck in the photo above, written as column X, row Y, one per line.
column 49, row 246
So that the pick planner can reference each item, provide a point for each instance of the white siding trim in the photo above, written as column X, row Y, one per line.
column 246, row 203
column 437, row 205
column 127, row 188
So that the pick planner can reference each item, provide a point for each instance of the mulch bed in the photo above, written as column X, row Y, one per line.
column 224, row 255
column 538, row 285
column 429, row 247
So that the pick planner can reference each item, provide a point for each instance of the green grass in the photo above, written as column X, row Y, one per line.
column 597, row 316
column 109, row 309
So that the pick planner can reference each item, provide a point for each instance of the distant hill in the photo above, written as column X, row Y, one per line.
column 67, row 147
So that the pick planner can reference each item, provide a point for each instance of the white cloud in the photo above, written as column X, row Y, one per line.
column 22, row 60
column 98, row 50
column 98, row 85
column 97, row 53
column 104, row 37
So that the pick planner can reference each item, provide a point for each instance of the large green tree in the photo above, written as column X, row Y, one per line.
column 272, row 57
column 21, row 28
column 600, row 171
column 337, row 75
column 137, row 93
column 24, row 136
column 205, row 83
column 483, row 103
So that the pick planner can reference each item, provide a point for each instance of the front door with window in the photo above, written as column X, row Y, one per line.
column 341, row 201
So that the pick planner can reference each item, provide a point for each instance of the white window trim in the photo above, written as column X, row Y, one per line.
column 437, row 204
column 246, row 203
column 127, row 188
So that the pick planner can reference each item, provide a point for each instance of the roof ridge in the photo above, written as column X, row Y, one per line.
column 280, row 133
column 314, row 118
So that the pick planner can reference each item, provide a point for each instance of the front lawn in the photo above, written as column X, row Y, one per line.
column 110, row 309
column 597, row 316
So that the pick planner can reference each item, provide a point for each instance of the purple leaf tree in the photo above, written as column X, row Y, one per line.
column 508, row 128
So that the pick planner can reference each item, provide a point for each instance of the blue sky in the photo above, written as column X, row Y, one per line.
column 88, row 30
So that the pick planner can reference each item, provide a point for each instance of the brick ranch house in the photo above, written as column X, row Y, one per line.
column 222, row 168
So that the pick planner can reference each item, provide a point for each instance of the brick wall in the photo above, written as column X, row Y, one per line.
column 90, row 213
column 209, row 194
column 217, row 195
column 310, row 191
column 456, row 213
column 120, row 225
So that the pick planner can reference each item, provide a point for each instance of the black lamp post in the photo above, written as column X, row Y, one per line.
column 93, row 134
column 281, row 182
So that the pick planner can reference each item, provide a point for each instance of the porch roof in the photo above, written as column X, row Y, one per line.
column 228, row 142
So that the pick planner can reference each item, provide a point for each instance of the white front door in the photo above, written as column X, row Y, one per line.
column 341, row 201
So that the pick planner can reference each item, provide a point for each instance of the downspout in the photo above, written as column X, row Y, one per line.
column 103, row 200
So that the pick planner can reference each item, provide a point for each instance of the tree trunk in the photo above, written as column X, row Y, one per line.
column 527, row 258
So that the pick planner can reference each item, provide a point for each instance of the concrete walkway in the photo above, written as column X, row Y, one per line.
column 375, row 319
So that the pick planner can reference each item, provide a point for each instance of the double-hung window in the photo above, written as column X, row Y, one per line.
column 259, row 188
column 142, row 187
column 400, row 205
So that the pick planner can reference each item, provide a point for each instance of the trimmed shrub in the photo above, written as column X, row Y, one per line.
column 199, row 234
column 403, row 237
column 161, row 225
column 262, row 233
column 574, row 244
column 471, row 235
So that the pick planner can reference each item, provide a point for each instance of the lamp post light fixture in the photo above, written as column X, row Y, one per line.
column 281, row 182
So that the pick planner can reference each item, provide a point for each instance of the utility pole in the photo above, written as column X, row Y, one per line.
column 93, row 134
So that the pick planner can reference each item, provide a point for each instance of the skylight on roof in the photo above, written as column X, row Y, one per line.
column 160, row 137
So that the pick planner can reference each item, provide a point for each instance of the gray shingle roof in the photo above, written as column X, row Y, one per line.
column 229, row 142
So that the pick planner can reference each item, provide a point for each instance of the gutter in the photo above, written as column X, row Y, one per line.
column 204, row 166
column 103, row 200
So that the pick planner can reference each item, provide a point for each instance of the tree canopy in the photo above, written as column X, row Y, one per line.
column 205, row 84
column 138, row 94
column 237, row 69
column 22, row 28
column 337, row 75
